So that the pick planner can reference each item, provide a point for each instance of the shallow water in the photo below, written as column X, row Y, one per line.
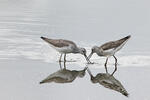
column 20, row 80
column 87, row 23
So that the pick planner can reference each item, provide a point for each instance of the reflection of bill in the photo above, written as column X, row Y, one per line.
column 64, row 76
column 108, row 81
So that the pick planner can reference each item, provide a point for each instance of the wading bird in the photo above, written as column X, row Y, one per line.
column 109, row 49
column 65, row 47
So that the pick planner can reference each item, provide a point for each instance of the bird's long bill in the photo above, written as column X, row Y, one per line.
column 87, row 59
column 85, row 68
column 90, row 55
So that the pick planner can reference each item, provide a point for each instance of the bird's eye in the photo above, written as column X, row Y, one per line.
column 92, row 50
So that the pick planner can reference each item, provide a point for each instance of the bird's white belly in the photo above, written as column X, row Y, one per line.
column 109, row 53
column 66, row 49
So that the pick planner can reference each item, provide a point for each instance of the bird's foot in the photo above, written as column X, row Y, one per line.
column 90, row 63
column 68, row 61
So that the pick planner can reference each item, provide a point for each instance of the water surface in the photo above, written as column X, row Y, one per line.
column 26, row 59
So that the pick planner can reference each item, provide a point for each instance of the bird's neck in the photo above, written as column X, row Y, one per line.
column 75, row 73
column 99, row 52
column 78, row 50
column 93, row 79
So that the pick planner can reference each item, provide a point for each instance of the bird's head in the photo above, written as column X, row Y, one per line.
column 93, row 50
column 83, row 52
column 82, row 72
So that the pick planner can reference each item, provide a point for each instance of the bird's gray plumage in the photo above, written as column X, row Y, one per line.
column 65, row 47
column 59, row 42
column 64, row 76
column 114, row 44
column 108, row 81
column 109, row 49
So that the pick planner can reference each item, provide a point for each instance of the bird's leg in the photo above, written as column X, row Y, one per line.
column 65, row 57
column 64, row 64
column 60, row 65
column 60, row 57
column 115, row 65
column 106, row 65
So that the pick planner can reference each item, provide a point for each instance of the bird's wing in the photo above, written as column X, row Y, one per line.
column 59, row 42
column 67, row 42
column 114, row 44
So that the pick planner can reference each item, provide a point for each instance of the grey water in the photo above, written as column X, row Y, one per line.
column 86, row 22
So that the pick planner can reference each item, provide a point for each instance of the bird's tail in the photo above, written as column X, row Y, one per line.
column 46, row 39
column 125, row 93
column 42, row 82
column 126, row 38
column 43, row 37
column 47, row 80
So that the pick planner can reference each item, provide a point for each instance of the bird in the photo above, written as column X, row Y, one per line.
column 109, row 49
column 108, row 81
column 65, row 47
column 64, row 76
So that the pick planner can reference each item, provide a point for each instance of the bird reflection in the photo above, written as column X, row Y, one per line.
column 108, row 81
column 64, row 75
